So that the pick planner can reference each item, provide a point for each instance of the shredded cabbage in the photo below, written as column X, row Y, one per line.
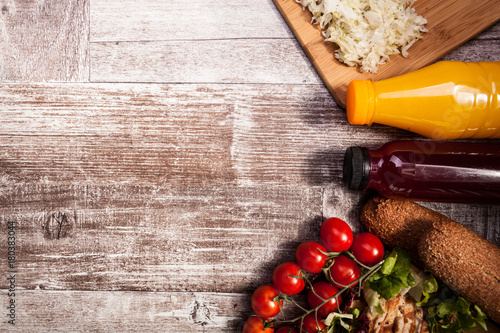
column 367, row 31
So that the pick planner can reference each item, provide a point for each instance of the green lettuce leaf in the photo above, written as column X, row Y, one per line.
column 394, row 275
column 373, row 300
column 429, row 287
column 455, row 316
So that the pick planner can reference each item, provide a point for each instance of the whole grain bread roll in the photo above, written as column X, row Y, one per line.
column 399, row 223
column 468, row 263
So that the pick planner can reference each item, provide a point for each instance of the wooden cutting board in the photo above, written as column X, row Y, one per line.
column 450, row 23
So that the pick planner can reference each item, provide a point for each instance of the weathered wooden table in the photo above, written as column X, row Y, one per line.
column 159, row 158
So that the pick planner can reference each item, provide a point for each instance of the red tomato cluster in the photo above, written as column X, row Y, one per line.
column 313, row 257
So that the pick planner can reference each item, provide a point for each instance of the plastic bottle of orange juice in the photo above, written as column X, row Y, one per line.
column 446, row 100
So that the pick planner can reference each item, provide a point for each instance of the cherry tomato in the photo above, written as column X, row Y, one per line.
column 336, row 235
column 285, row 283
column 367, row 249
column 255, row 324
column 344, row 271
column 309, row 324
column 286, row 329
column 322, row 291
column 263, row 303
column 310, row 258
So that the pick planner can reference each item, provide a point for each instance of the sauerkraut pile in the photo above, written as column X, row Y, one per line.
column 367, row 31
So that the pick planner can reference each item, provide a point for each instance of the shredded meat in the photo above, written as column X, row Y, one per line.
column 402, row 315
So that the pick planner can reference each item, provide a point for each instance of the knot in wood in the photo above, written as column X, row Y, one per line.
column 200, row 314
column 57, row 225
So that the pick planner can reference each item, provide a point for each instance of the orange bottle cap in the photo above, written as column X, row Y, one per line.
column 360, row 102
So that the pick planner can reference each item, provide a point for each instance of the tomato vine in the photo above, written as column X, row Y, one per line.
column 344, row 272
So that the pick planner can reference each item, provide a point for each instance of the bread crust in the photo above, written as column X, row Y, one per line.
column 399, row 223
column 466, row 262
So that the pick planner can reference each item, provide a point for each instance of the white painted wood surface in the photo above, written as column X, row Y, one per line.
column 44, row 40
column 190, row 148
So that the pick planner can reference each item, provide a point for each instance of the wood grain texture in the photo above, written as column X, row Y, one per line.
column 195, row 20
column 44, row 40
column 83, row 311
column 260, row 61
column 168, row 239
column 156, row 238
column 202, row 61
column 450, row 24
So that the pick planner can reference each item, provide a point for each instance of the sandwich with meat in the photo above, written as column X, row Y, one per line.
column 461, row 265
column 438, row 276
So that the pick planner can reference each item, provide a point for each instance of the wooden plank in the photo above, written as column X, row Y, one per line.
column 151, row 20
column 153, row 238
column 187, row 135
column 450, row 23
column 113, row 311
column 44, row 40
column 259, row 61
column 206, row 61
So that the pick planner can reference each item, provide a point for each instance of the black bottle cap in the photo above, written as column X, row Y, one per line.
column 356, row 172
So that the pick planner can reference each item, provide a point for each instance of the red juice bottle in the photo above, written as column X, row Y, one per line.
column 427, row 171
